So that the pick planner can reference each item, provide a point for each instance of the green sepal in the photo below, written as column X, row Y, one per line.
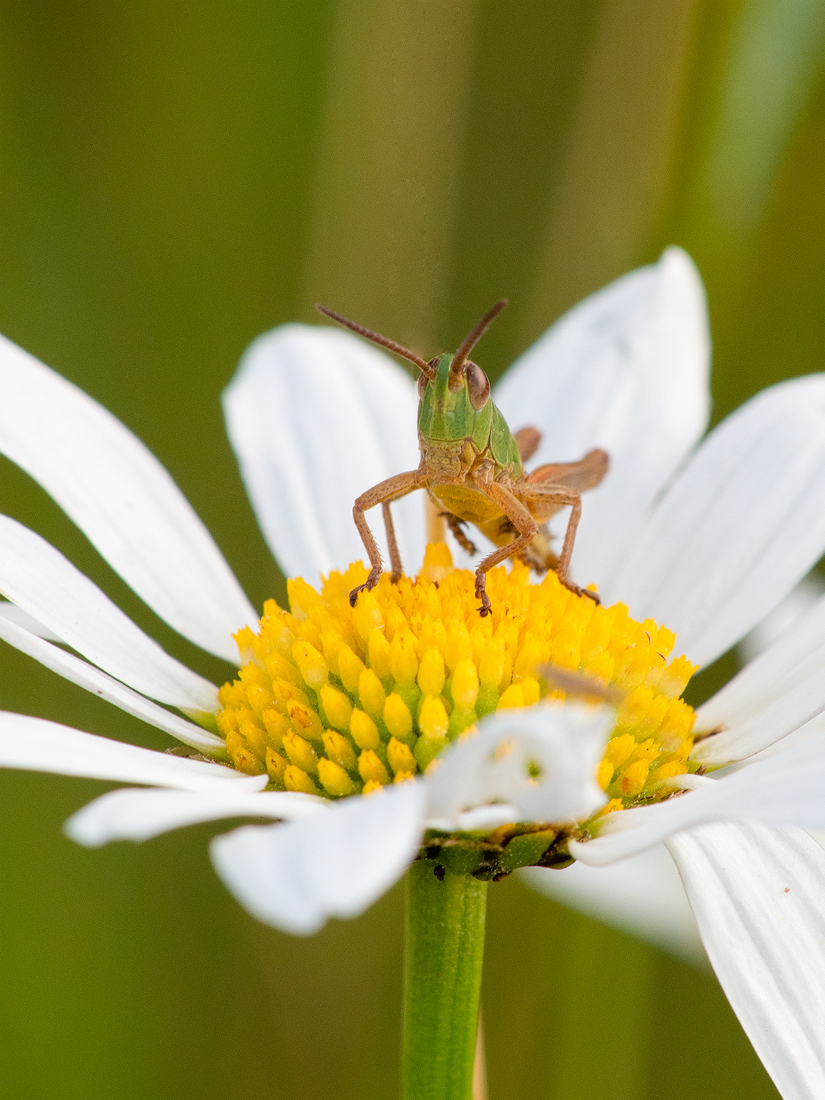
column 426, row 749
column 461, row 860
column 526, row 849
column 487, row 700
column 204, row 718
column 459, row 721
column 410, row 692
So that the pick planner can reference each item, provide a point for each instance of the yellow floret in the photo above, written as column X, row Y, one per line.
column 364, row 731
column 371, row 768
column 337, row 706
column 297, row 780
column 400, row 757
column 397, row 717
column 431, row 674
column 332, row 699
column 335, row 779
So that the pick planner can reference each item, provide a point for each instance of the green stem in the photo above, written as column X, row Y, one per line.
column 443, row 954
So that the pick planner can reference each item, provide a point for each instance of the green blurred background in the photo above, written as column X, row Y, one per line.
column 176, row 177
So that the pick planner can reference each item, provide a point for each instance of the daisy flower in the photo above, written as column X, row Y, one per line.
column 409, row 727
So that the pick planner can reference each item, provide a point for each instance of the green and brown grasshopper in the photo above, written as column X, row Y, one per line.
column 471, row 465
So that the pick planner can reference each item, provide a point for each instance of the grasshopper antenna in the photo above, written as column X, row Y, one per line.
column 377, row 338
column 472, row 338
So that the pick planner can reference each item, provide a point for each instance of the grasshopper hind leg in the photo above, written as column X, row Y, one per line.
column 539, row 554
column 524, row 524
column 557, row 495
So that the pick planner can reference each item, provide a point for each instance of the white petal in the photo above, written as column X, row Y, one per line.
column 742, row 524
column 759, row 897
column 783, row 790
column 334, row 864
column 494, row 765
column 316, row 417
column 33, row 744
column 121, row 497
column 17, row 615
column 105, row 687
column 486, row 818
column 642, row 895
column 626, row 370
column 135, row 814
column 46, row 585
column 778, row 692
column 785, row 616
column 811, row 731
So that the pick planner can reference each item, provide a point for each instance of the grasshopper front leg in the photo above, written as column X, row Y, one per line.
column 384, row 493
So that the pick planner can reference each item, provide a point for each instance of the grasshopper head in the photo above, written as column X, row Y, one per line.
column 454, row 392
column 449, row 404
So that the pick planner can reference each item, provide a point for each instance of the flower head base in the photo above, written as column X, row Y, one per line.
column 335, row 700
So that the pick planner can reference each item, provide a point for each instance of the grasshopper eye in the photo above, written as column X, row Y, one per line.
column 478, row 386
column 422, row 385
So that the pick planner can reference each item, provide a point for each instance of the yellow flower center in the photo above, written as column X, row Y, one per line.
column 334, row 700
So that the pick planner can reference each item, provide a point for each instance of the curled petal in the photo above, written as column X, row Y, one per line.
column 779, row 691
column 136, row 814
column 333, row 864
column 541, row 760
column 14, row 614
column 787, row 615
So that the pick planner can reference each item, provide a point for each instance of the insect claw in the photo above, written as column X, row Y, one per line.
column 574, row 588
column 367, row 586
column 481, row 593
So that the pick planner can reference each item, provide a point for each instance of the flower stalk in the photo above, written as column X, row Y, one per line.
column 443, row 955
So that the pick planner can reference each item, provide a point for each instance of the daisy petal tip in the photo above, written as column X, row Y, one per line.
column 84, row 828
column 679, row 267
column 333, row 864
column 240, row 861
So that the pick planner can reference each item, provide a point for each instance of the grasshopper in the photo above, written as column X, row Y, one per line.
column 471, row 465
